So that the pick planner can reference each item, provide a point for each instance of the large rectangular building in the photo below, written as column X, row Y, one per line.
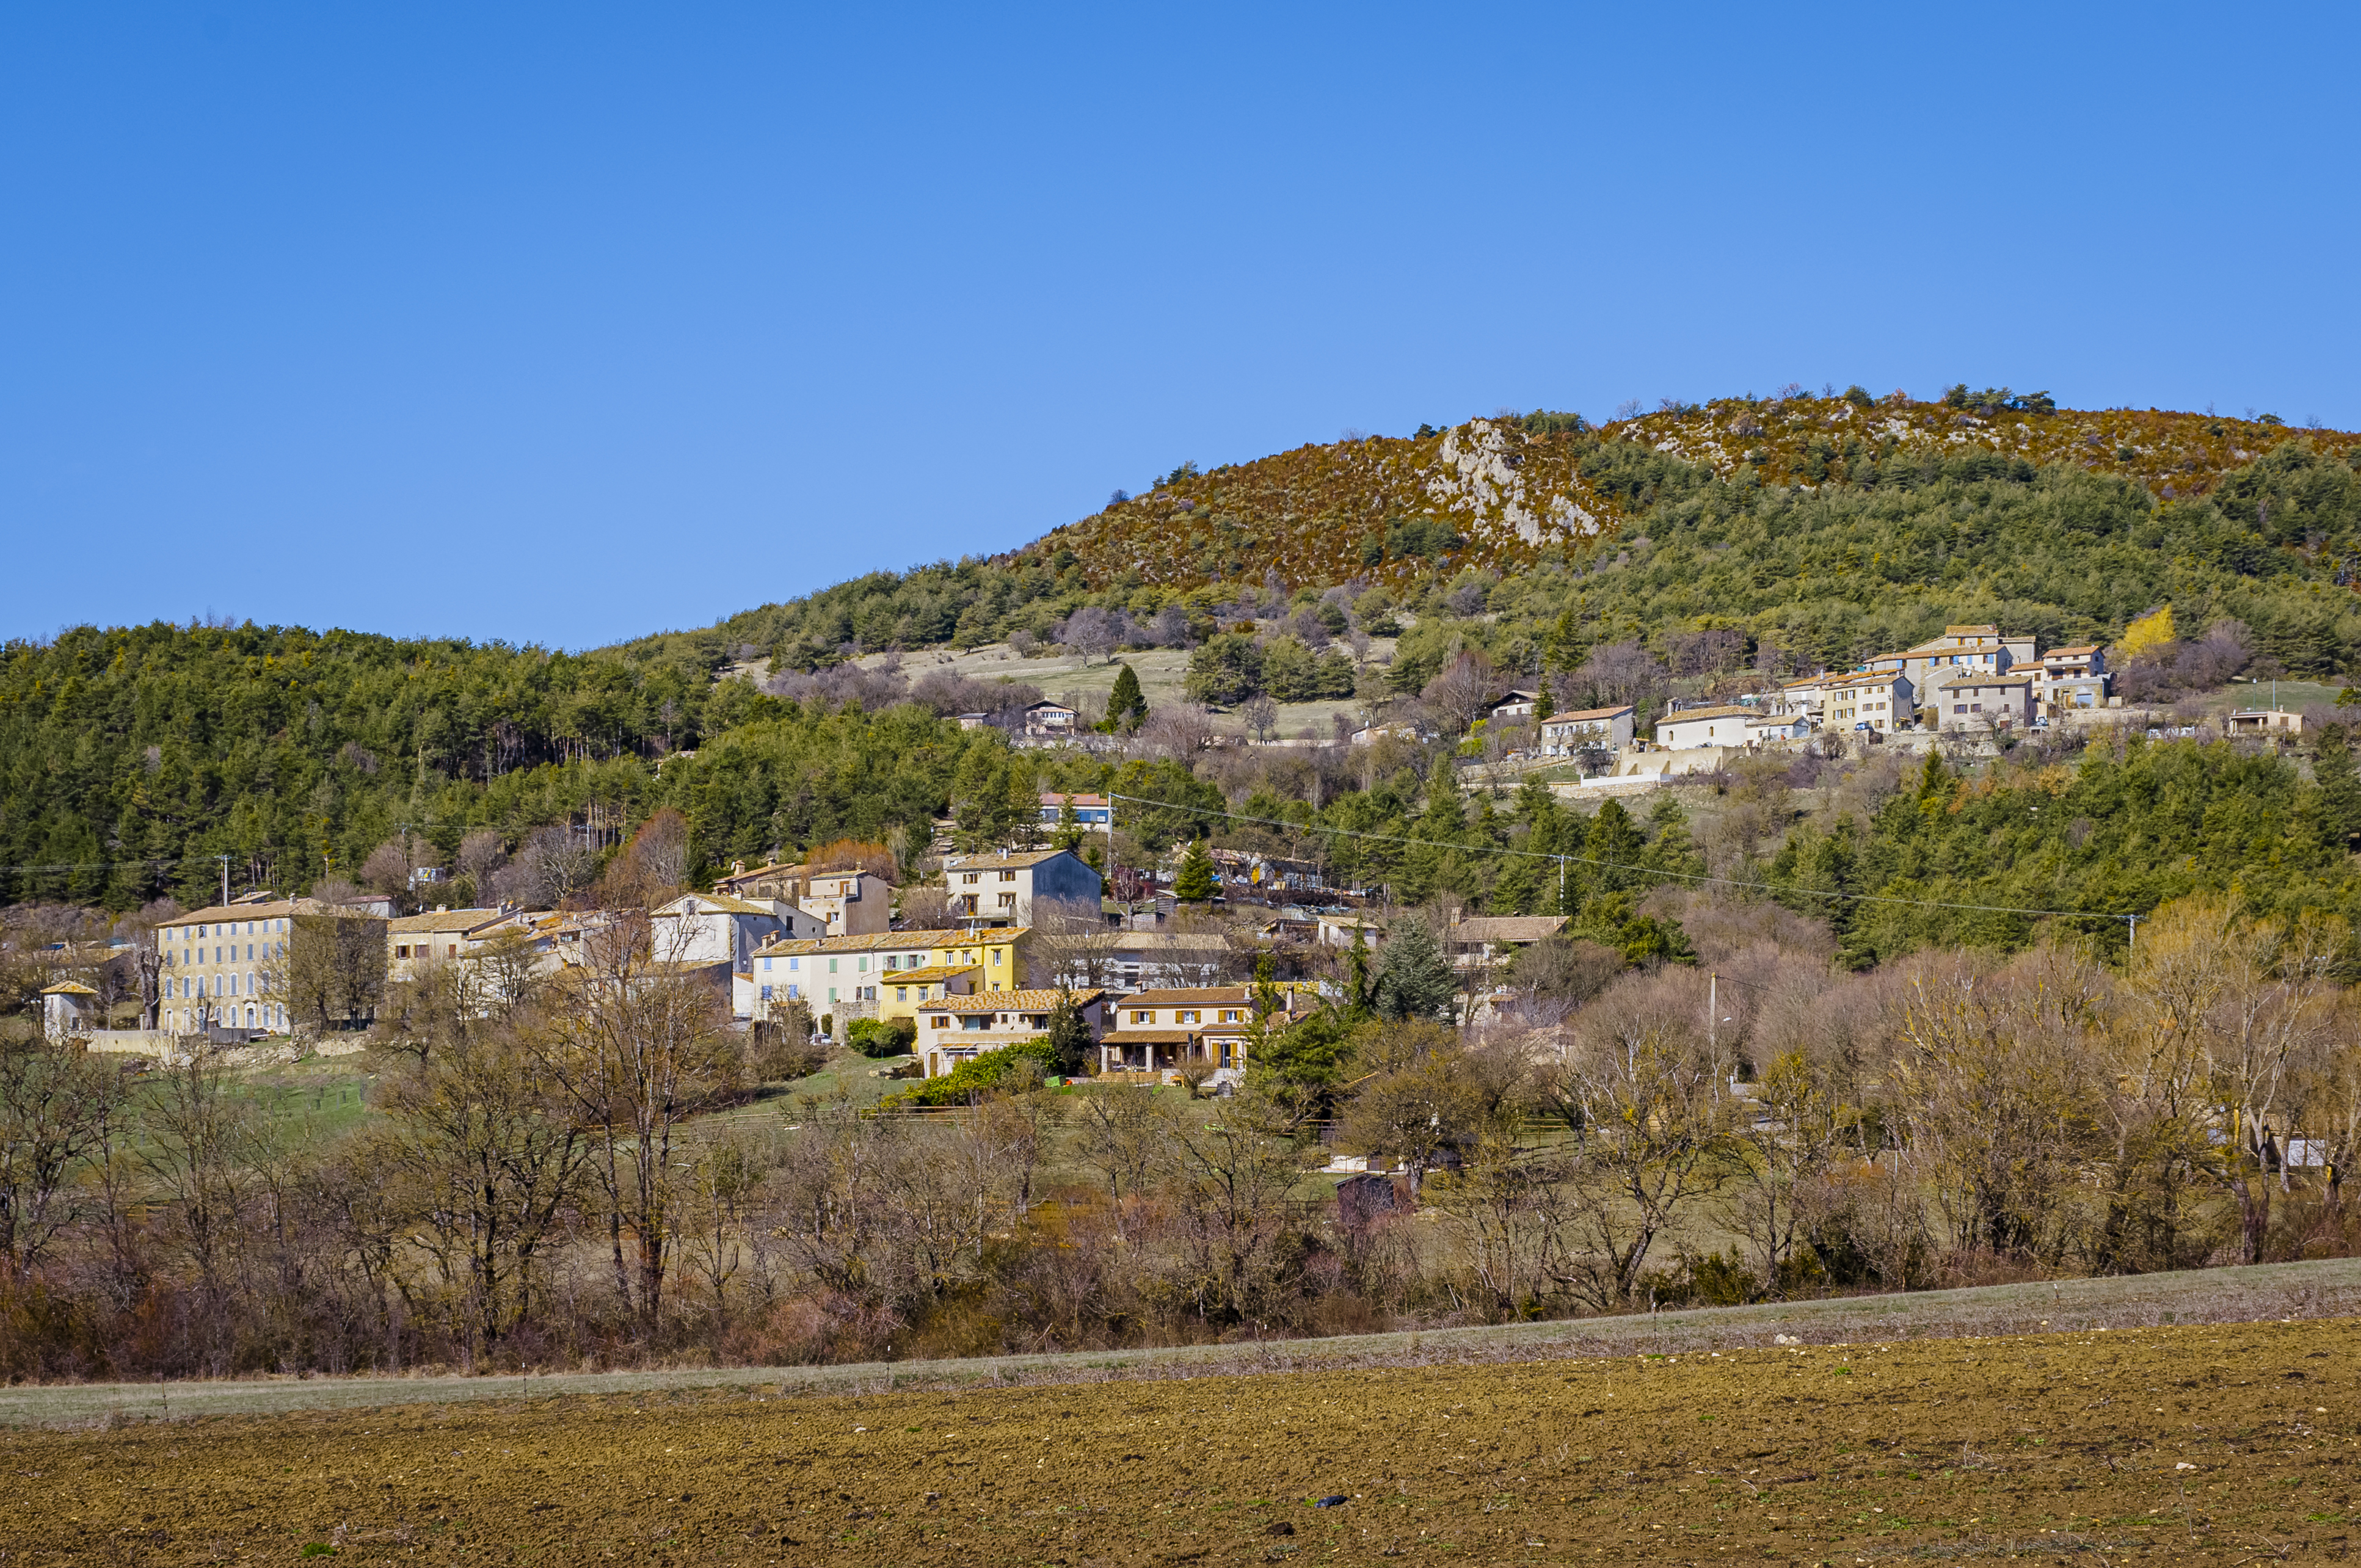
column 218, row 961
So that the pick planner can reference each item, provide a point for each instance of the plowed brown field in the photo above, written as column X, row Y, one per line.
column 2211, row 1443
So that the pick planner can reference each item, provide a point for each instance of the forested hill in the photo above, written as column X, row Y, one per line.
column 1781, row 533
column 1495, row 497
column 131, row 759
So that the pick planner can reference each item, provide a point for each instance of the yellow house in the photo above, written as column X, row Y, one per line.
column 884, row 974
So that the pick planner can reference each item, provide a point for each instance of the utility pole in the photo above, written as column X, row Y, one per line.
column 224, row 861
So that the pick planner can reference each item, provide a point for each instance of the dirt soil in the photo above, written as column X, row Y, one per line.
column 2201, row 1443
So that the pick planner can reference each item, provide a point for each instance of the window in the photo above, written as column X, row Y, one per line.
column 1229, row 1015
column 972, row 877
column 996, row 953
column 861, row 964
column 1008, row 876
column 1189, row 1016
column 401, row 952
column 766, row 993
column 831, row 969
column 1143, row 1017
column 795, row 964
column 901, row 993
column 766, row 966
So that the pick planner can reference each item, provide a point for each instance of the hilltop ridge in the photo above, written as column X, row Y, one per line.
column 1501, row 491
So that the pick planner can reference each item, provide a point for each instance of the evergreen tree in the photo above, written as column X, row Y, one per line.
column 1356, row 973
column 1267, row 999
column 1517, row 887
column 1069, row 835
column 1126, row 705
column 1194, row 881
column 1414, row 980
column 1070, row 1045
column 2340, row 788
column 1302, row 1068
column 1615, row 839
column 1670, row 846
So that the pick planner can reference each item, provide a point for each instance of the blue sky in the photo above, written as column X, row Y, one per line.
column 567, row 323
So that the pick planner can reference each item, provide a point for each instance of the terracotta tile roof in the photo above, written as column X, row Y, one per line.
column 1587, row 713
column 1015, row 860
column 1506, row 928
column 2084, row 652
column 217, row 913
column 1009, row 1001
column 1689, row 715
column 715, row 904
column 1197, row 996
column 1984, row 678
column 882, row 941
column 445, row 920
column 930, row 976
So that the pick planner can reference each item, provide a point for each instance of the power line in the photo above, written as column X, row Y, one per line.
column 1699, row 877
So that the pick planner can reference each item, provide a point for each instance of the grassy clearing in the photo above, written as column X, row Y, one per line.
column 2297, row 1291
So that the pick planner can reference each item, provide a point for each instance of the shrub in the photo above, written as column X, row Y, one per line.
column 1009, row 1067
column 881, row 1037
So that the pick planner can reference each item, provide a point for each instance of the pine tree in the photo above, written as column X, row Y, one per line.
column 1195, row 882
column 1126, row 705
column 1614, row 837
column 1414, row 980
column 1670, row 846
column 1357, row 972
column 2340, row 788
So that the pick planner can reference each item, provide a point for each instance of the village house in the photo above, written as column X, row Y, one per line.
column 1341, row 930
column 412, row 940
column 1479, row 942
column 847, row 901
column 1094, row 811
column 851, row 903
column 1133, row 958
column 1978, row 698
column 1518, row 704
column 1803, row 697
column 1564, row 734
column 1001, row 888
column 69, row 1009
column 1960, row 648
column 2266, row 721
column 957, row 1030
column 880, row 975
column 1765, row 727
column 1882, row 699
column 1164, row 1031
column 1703, row 727
column 2073, row 680
column 714, row 928
column 1051, row 720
